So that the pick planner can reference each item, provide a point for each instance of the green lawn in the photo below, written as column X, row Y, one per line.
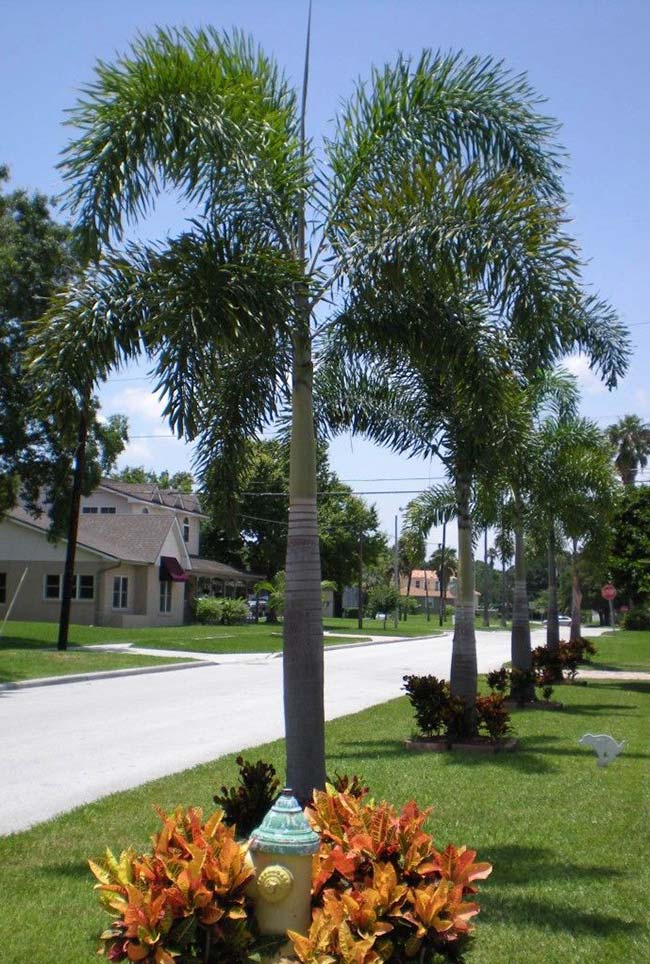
column 23, row 664
column 623, row 650
column 568, row 840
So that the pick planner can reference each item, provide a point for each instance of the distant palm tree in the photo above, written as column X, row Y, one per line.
column 631, row 439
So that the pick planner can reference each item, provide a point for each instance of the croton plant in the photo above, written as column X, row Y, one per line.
column 381, row 892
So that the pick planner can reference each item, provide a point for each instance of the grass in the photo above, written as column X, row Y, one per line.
column 567, row 840
column 623, row 650
column 22, row 664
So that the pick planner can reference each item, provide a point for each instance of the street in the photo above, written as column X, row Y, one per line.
column 69, row 744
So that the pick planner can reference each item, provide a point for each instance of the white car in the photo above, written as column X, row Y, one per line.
column 562, row 620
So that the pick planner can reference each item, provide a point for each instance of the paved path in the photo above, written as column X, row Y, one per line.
column 66, row 745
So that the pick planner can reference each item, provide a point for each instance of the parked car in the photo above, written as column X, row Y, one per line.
column 562, row 620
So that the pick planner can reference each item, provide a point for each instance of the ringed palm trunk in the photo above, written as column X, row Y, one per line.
column 552, row 624
column 463, row 678
column 303, row 669
column 520, row 635
column 576, row 593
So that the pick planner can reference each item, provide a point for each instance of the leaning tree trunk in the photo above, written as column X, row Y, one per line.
column 73, row 525
column 303, row 627
column 522, row 686
column 463, row 678
column 576, row 593
column 552, row 624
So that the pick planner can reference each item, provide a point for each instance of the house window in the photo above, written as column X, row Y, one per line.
column 3, row 587
column 107, row 510
column 120, row 592
column 166, row 596
column 186, row 529
column 83, row 587
column 89, row 510
column 417, row 583
column 52, row 587
column 145, row 511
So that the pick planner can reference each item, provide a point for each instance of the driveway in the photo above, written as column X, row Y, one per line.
column 69, row 744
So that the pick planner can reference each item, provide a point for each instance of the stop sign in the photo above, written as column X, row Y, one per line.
column 608, row 591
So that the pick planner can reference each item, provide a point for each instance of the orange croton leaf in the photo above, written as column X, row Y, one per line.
column 457, row 865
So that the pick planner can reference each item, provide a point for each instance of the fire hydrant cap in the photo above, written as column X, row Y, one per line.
column 285, row 829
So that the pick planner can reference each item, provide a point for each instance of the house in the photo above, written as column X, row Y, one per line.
column 137, row 560
column 425, row 589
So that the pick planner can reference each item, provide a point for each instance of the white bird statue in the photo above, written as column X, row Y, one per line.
column 606, row 747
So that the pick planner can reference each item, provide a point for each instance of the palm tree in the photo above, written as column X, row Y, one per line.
column 444, row 561
column 435, row 164
column 631, row 440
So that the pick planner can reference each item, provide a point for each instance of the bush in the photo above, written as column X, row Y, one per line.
column 499, row 680
column 519, row 682
column 218, row 611
column 493, row 716
column 637, row 618
column 381, row 890
column 246, row 805
column 186, row 896
column 551, row 665
column 429, row 698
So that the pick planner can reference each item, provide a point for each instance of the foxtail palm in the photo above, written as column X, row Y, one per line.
column 437, row 163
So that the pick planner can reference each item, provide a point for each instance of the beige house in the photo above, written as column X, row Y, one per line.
column 137, row 561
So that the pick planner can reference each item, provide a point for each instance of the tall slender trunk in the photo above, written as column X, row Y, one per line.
column 303, row 668
column 552, row 624
column 463, row 677
column 576, row 593
column 426, row 592
column 360, row 584
column 73, row 524
column 520, row 634
column 503, row 620
column 441, row 579
column 486, row 580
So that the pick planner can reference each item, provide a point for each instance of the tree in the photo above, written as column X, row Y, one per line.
column 227, row 310
column 631, row 440
column 177, row 482
column 630, row 559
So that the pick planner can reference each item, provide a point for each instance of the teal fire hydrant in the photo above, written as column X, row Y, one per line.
column 281, row 849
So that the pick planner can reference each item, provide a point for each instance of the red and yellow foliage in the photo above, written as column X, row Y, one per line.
column 382, row 892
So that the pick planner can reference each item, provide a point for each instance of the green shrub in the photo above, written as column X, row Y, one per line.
column 429, row 698
column 217, row 611
column 247, row 804
column 637, row 618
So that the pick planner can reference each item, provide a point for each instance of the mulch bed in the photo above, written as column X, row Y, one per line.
column 480, row 744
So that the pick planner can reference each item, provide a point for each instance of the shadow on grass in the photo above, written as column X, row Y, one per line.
column 25, row 642
column 521, row 865
column 371, row 750
column 586, row 709
column 633, row 686
column 76, row 870
column 551, row 916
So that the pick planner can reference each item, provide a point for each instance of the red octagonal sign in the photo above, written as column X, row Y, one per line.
column 608, row 591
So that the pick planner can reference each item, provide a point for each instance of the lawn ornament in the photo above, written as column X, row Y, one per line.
column 606, row 747
column 281, row 849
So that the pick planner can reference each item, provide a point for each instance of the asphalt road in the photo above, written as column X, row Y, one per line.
column 69, row 744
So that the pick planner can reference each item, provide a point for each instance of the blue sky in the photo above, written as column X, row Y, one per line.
column 588, row 59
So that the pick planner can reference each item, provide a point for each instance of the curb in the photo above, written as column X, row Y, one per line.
column 103, row 674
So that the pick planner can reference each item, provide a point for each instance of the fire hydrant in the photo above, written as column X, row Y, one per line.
column 281, row 849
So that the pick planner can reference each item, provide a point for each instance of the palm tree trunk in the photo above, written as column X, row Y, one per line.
column 576, row 593
column 426, row 592
column 522, row 689
column 486, row 579
column 463, row 677
column 552, row 624
column 303, row 668
column 441, row 579
column 73, row 525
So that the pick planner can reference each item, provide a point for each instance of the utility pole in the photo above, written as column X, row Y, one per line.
column 396, row 575
column 441, row 579
column 360, row 585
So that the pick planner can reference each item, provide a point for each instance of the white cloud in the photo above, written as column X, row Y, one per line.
column 588, row 382
column 139, row 402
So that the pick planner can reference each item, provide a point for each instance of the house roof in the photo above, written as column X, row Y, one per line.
column 219, row 570
column 112, row 535
column 151, row 493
